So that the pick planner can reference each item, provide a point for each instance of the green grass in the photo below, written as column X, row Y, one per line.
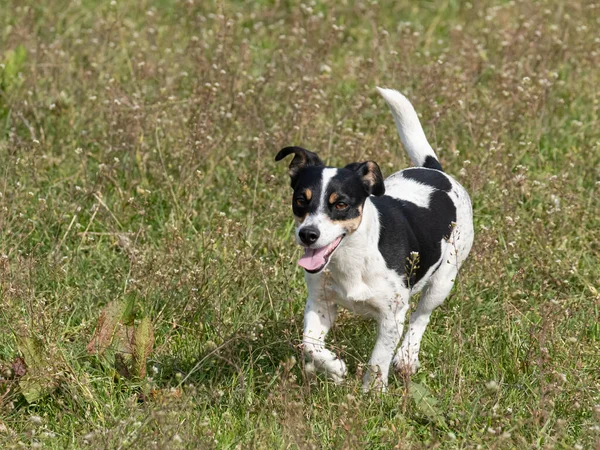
column 136, row 163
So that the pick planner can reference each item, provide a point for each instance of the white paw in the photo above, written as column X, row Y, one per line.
column 374, row 382
column 405, row 363
column 309, row 367
column 335, row 369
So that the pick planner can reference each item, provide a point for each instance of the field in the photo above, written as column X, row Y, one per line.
column 137, row 173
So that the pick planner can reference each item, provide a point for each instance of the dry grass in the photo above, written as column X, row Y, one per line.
column 136, row 149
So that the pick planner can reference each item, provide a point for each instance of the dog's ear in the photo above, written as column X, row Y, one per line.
column 370, row 174
column 302, row 158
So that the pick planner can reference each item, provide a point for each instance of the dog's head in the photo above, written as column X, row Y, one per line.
column 327, row 202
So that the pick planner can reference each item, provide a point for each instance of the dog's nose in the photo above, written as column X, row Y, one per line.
column 309, row 235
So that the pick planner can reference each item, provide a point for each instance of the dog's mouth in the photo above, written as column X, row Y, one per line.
column 315, row 259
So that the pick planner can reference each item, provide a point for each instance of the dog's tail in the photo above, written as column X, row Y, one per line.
column 410, row 130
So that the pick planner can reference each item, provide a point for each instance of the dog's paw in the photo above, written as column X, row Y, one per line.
column 310, row 368
column 375, row 379
column 405, row 364
column 373, row 383
column 336, row 371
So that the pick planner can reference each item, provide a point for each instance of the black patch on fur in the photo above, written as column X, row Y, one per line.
column 351, row 190
column 432, row 163
column 406, row 228
column 431, row 178
column 371, row 176
column 346, row 183
column 308, row 178
column 302, row 159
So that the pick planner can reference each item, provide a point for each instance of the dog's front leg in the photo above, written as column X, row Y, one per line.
column 319, row 316
column 390, row 323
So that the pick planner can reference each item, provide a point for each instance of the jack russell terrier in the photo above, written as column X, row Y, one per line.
column 370, row 244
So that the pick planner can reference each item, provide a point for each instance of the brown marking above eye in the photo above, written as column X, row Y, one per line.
column 308, row 194
column 333, row 198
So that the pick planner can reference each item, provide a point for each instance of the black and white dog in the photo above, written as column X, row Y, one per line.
column 370, row 244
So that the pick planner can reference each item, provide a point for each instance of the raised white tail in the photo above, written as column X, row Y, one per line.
column 410, row 129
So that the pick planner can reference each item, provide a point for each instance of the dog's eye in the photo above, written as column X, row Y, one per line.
column 300, row 201
column 341, row 205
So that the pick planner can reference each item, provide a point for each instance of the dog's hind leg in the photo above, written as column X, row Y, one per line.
column 435, row 292
column 390, row 324
column 318, row 318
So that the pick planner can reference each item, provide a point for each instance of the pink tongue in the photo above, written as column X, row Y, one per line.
column 314, row 259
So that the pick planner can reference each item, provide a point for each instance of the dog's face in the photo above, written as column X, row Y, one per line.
column 327, row 202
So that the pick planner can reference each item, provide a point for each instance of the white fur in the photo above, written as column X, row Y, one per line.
column 409, row 127
column 358, row 279
column 408, row 189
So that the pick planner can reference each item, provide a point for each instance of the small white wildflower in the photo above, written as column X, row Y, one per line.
column 492, row 385
column 36, row 419
column 325, row 68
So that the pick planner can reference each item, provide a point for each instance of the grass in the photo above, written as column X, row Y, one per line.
column 136, row 147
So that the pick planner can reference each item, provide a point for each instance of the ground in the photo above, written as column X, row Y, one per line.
column 137, row 144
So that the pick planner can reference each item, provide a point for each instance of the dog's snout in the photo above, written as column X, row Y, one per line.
column 309, row 235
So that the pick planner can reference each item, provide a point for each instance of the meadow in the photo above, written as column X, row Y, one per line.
column 138, row 186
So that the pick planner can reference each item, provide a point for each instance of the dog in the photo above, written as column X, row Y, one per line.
column 369, row 245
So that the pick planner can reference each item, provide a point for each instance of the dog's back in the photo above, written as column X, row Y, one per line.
column 424, row 206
